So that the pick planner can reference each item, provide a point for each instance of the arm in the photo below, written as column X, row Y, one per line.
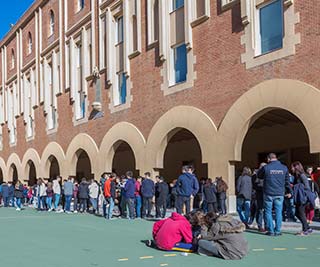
column 239, row 184
column 186, row 233
column 156, row 228
column 287, row 183
column 261, row 173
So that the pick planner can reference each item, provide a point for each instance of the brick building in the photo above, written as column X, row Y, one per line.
column 214, row 83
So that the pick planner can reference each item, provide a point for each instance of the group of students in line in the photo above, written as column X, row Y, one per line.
column 291, row 195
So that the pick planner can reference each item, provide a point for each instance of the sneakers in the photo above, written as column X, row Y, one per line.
column 18, row 209
column 270, row 234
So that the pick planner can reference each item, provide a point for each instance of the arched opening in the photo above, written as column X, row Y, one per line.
column 32, row 174
column 54, row 169
column 1, row 176
column 277, row 131
column 123, row 159
column 13, row 173
column 83, row 169
column 182, row 149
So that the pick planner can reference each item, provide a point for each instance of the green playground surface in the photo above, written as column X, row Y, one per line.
column 39, row 239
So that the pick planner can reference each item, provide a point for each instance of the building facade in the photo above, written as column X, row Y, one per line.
column 88, row 86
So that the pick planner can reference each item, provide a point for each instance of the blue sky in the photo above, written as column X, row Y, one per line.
column 10, row 12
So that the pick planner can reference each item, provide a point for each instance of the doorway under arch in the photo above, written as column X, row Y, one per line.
column 83, row 168
column 54, row 169
column 13, row 173
column 123, row 159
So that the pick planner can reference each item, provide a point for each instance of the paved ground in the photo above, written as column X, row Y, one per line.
column 33, row 239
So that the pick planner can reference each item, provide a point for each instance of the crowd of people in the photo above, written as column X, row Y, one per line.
column 274, row 191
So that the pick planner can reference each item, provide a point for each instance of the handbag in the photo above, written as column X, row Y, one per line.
column 317, row 203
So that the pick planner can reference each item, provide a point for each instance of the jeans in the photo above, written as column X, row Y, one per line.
column 94, row 203
column 208, row 248
column 68, row 203
column 161, row 207
column 83, row 204
column 6, row 201
column 243, row 209
column 56, row 201
column 146, row 206
column 18, row 203
column 110, row 208
column 277, row 203
column 49, row 202
column 130, row 204
column 180, row 202
column 138, row 206
column 222, row 205
column 104, row 208
column 212, row 206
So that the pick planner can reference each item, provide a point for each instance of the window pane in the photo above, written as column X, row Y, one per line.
column 271, row 26
column 120, row 30
column 180, row 63
column 177, row 4
column 122, row 88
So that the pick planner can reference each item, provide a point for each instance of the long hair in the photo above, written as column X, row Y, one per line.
column 297, row 168
column 196, row 218
column 246, row 171
column 211, row 218
column 221, row 185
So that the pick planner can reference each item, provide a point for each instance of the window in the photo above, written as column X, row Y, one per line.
column 29, row 43
column 122, row 85
column 80, row 4
column 29, row 120
column 271, row 27
column 80, row 100
column 177, row 4
column 153, row 21
column 180, row 63
column 51, row 24
column 119, row 30
column 12, row 59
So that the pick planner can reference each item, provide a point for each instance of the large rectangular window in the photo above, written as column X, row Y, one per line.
column 180, row 63
column 177, row 4
column 122, row 85
column 119, row 30
column 271, row 26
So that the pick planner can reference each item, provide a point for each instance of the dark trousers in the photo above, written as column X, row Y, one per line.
column 146, row 206
column 301, row 215
column 83, row 204
column 161, row 208
column 222, row 205
column 212, row 207
column 6, row 201
column 75, row 204
column 182, row 201
column 130, row 203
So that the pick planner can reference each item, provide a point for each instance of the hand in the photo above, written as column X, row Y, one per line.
column 288, row 195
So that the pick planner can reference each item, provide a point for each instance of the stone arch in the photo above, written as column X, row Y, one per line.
column 30, row 155
column 13, row 160
column 82, row 142
column 189, row 118
column 297, row 97
column 3, row 168
column 53, row 149
column 128, row 133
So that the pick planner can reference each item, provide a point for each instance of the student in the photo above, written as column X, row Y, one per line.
column 110, row 195
column 41, row 194
column 18, row 194
column 50, row 194
column 173, row 233
column 103, row 179
column 93, row 194
column 222, row 188
column 244, row 194
column 162, row 191
column 5, row 194
column 83, row 195
column 147, row 192
column 68, row 193
column 222, row 237
column 75, row 196
column 57, row 192
column 210, row 196
column 11, row 194
column 137, row 194
column 315, row 190
column 129, row 194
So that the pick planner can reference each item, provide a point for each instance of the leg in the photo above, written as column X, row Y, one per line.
column 210, row 207
column 301, row 215
column 158, row 209
column 278, row 204
column 187, row 202
column 179, row 204
column 164, row 211
column 149, row 206
column 208, row 248
column 268, row 213
column 138, row 206
column 144, row 206
column 240, row 203
column 247, row 210
column 56, row 201
column 110, row 208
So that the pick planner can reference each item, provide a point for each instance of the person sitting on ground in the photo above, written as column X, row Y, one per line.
column 221, row 236
column 172, row 234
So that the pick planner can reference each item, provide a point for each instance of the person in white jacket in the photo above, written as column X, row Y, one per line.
column 93, row 194
column 57, row 192
column 42, row 192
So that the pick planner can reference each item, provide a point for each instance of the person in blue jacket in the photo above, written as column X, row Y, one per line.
column 147, row 192
column 186, row 186
column 5, row 194
column 11, row 194
column 129, row 190
column 276, row 185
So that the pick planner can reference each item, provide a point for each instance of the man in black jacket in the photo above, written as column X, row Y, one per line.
column 147, row 192
column 162, row 191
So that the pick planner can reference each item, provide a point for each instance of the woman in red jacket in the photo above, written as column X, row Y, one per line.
column 173, row 233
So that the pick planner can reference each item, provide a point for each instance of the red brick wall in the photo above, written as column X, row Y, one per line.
column 74, row 15
column 48, row 39
column 11, row 45
column 30, row 27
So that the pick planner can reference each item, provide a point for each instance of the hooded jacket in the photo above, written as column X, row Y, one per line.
column 147, row 188
column 166, row 233
column 186, row 185
column 83, row 190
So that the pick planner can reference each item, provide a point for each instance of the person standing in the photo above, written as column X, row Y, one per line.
column 57, row 192
column 161, row 193
column 129, row 190
column 5, row 194
column 244, row 194
column 110, row 195
column 315, row 190
column 93, row 194
column 185, row 187
column 147, row 192
column 195, row 188
column 68, row 192
column 137, row 194
column 50, row 194
column 83, row 195
column 210, row 196
column 103, row 179
column 18, row 194
column 11, row 194
column 222, row 188
column 276, row 184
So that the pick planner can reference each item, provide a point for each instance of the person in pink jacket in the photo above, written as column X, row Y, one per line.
column 173, row 233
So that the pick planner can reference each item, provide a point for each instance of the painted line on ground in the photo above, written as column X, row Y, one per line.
column 124, row 259
column 146, row 257
column 164, row 264
column 300, row 248
column 258, row 249
column 280, row 249
column 169, row 255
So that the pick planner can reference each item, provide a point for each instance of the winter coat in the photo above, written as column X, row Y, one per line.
column 42, row 190
column 227, row 235
column 68, row 188
column 83, row 190
column 5, row 190
column 11, row 190
column 186, row 185
column 18, row 192
column 56, row 187
column 129, row 188
column 166, row 233
column 109, row 189
column 210, row 192
column 162, row 191
column 147, row 188
column 93, row 190
column 244, row 187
